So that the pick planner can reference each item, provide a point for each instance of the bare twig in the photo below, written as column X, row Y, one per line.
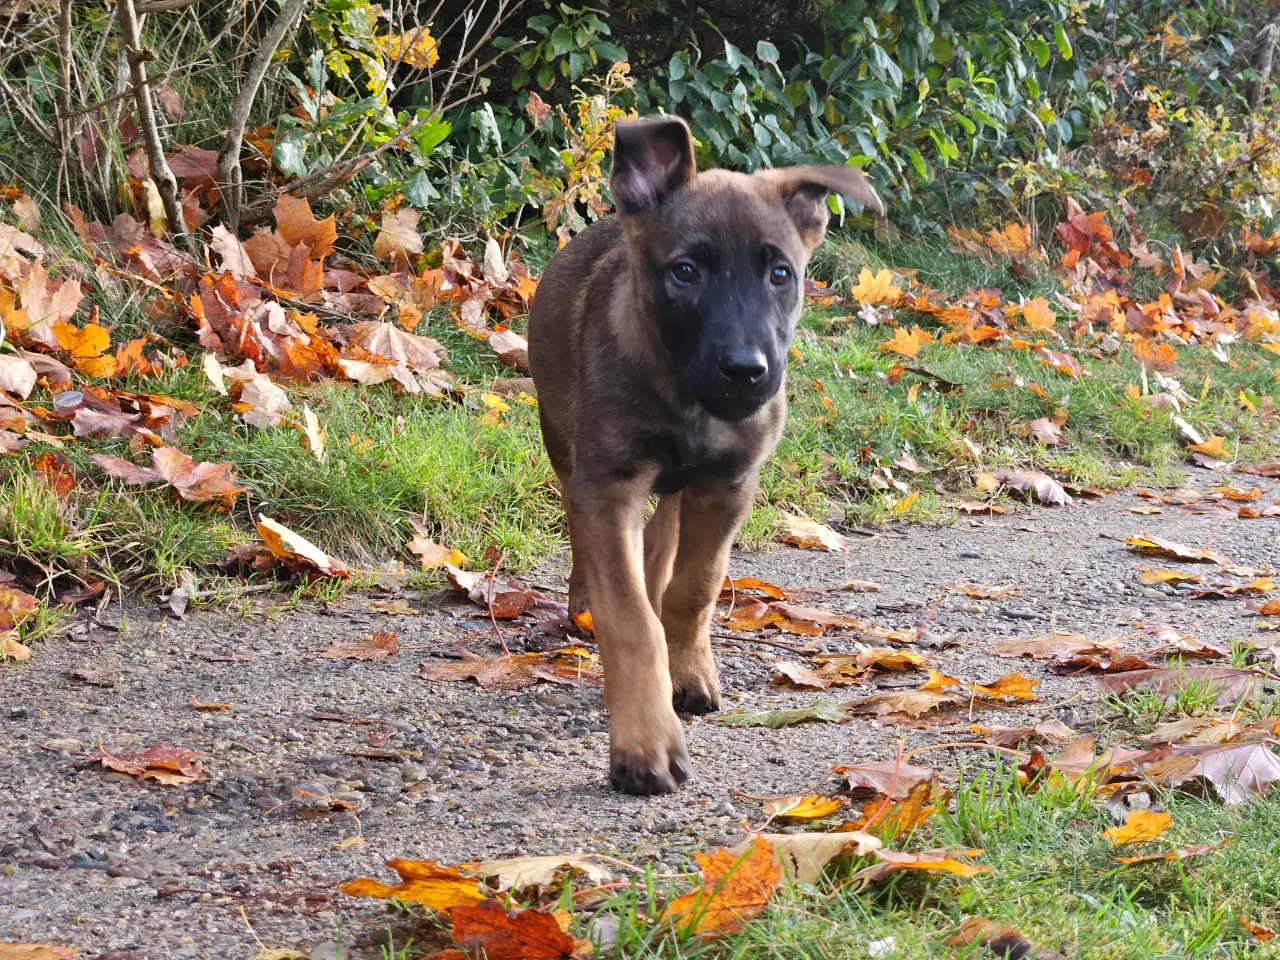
column 230, row 181
column 164, row 6
column 166, row 183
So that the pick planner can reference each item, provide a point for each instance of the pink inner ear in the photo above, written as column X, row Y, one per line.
column 639, row 189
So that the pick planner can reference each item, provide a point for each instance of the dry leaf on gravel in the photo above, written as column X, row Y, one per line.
column 1012, row 686
column 1004, row 942
column 878, row 776
column 804, row 677
column 373, row 646
column 296, row 551
column 1150, row 576
column 978, row 592
column 820, row 710
column 36, row 951
column 1043, row 487
column 734, row 889
column 544, row 873
column 572, row 667
column 421, row 881
column 1050, row 647
column 503, row 598
column 803, row 856
column 1158, row 546
column 910, row 704
column 172, row 766
column 788, row 618
column 1139, row 826
column 502, row 934
column 809, row 534
column 12, row 649
column 932, row 861
column 734, row 587
column 802, row 807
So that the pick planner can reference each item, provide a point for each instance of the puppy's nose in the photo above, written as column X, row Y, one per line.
column 743, row 366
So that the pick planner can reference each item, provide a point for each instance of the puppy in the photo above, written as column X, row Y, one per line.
column 658, row 341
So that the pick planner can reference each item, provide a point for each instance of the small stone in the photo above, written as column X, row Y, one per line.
column 970, row 555
column 294, row 736
column 329, row 950
column 468, row 766
column 603, row 932
column 413, row 772
column 138, row 871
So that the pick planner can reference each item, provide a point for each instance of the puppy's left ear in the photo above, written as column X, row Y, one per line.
column 804, row 191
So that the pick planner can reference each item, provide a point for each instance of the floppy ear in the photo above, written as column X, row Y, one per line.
column 804, row 191
column 652, row 158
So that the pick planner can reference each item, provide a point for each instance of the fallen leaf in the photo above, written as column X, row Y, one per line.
column 1230, row 684
column 891, row 820
column 433, row 556
column 572, row 667
column 1139, row 826
column 296, row 551
column 231, row 252
column 1158, row 546
column 1050, row 647
column 802, row 807
column 399, row 240
column 1211, row 447
column 881, row 775
column 502, row 597
column 202, row 707
column 876, row 288
column 1013, row 686
column 809, row 534
column 822, row 710
column 421, row 881
column 15, row 607
column 1042, row 430
column 1062, row 362
column 314, row 434
column 398, row 607
column 979, row 592
column 1004, row 942
column 172, row 766
column 932, row 861
column 11, row 649
column 788, row 618
column 1258, row 931
column 1037, row 314
column 861, row 586
column 388, row 341
column 543, row 873
column 36, row 951
column 502, row 934
column 904, row 703
column 803, row 856
column 906, row 343
column 1149, row 576
column 195, row 482
column 734, row 889
column 1045, row 489
column 511, row 348
column 1199, row 850
column 17, row 376
column 374, row 646
column 733, row 586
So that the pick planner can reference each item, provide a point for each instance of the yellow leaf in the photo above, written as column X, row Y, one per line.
column 905, row 504
column 11, row 649
column 1139, row 825
column 809, row 534
column 811, row 807
column 1037, row 314
column 734, row 889
column 1211, row 448
column 421, row 881
column 907, row 343
column 876, row 288
column 414, row 48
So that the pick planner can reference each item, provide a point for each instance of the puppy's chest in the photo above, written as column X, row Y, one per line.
column 700, row 447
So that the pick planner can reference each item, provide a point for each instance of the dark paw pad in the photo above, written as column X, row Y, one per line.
column 694, row 699
column 634, row 775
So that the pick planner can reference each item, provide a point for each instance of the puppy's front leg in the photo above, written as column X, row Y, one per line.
column 711, row 512
column 647, row 754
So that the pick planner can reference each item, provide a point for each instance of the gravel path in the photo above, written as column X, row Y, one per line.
column 124, row 868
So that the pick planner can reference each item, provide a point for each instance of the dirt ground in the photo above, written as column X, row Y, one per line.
column 124, row 868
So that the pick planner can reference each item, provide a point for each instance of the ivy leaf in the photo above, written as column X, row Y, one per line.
column 289, row 154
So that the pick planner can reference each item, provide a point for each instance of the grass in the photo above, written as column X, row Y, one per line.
column 393, row 457
column 1053, row 877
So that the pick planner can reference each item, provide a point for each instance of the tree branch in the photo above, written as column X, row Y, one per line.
column 164, row 6
column 1266, row 48
column 166, row 183
column 230, row 179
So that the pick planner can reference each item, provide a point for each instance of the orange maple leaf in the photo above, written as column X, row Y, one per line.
column 734, row 889
column 907, row 343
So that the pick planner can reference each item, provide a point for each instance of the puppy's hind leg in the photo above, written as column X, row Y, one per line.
column 661, row 535
column 710, row 514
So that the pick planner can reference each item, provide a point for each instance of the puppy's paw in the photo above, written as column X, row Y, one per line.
column 695, row 687
column 649, row 759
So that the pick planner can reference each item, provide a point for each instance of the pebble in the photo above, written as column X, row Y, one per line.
column 294, row 736
column 328, row 950
column 138, row 871
column 1021, row 613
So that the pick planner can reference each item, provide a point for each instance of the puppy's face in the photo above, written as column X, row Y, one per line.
column 726, row 267
column 724, row 255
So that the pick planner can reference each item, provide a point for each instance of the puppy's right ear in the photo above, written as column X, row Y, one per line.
column 652, row 158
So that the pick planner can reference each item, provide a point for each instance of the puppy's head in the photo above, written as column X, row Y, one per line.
column 725, row 255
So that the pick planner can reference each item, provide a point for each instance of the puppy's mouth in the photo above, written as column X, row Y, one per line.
column 734, row 403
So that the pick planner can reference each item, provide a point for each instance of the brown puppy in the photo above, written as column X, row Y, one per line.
column 658, row 340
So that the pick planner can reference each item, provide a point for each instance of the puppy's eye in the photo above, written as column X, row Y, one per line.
column 684, row 273
column 780, row 275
